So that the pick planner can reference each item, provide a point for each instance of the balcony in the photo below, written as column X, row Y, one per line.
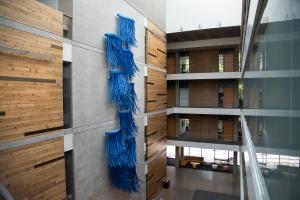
column 219, row 138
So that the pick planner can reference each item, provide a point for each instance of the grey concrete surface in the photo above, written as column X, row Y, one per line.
column 184, row 183
column 93, row 113
column 91, row 172
column 93, row 18
column 155, row 10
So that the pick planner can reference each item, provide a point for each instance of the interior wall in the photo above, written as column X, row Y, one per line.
column 203, row 93
column 204, row 126
column 155, row 10
column 93, row 114
column 204, row 61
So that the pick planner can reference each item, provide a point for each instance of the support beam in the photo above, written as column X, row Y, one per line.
column 204, row 43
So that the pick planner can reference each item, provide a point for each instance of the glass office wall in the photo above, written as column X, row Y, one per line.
column 272, row 97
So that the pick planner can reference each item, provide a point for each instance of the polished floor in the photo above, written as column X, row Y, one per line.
column 184, row 183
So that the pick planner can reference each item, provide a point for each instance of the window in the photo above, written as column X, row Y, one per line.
column 171, row 151
column 221, row 62
column 184, row 64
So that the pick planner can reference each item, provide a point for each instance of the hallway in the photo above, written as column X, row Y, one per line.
column 184, row 182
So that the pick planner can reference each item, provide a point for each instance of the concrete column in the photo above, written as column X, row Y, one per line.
column 177, row 59
column 177, row 121
column 235, row 154
column 178, row 155
column 177, row 93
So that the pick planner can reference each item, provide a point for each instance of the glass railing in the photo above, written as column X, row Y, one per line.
column 203, row 102
column 206, row 137
column 186, row 69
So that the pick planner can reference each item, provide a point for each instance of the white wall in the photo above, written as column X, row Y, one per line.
column 188, row 14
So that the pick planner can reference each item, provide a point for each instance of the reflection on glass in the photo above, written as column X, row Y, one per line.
column 271, row 99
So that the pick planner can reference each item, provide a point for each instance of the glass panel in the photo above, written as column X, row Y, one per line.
column 195, row 152
column 271, row 97
column 184, row 64
column 208, row 155
column 171, row 151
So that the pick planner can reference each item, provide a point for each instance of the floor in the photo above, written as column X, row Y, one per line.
column 184, row 183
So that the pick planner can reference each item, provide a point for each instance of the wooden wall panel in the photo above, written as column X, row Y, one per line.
column 229, row 63
column 171, row 64
column 156, row 100
column 156, row 90
column 228, row 130
column 204, row 126
column 156, row 172
column 203, row 93
column 172, row 125
column 35, row 171
column 31, row 96
column 204, row 61
column 33, row 13
column 228, row 97
column 156, row 135
column 171, row 94
column 156, row 49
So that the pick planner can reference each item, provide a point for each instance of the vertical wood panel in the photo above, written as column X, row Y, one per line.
column 156, row 90
column 171, row 64
column 156, row 100
column 228, row 130
column 228, row 97
column 203, row 93
column 35, row 171
column 172, row 125
column 229, row 62
column 156, row 135
column 204, row 61
column 204, row 126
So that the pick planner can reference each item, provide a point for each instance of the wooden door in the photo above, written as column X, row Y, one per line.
column 228, row 130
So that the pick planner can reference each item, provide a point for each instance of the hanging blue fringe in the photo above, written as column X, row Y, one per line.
column 127, row 123
column 119, row 88
column 115, row 148
column 113, row 46
column 127, row 63
column 124, row 178
column 126, row 30
column 131, row 151
column 132, row 98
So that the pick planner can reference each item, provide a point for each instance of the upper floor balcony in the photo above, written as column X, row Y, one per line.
column 217, row 63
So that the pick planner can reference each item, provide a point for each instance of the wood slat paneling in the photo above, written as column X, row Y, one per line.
column 156, row 134
column 172, row 125
column 204, row 93
column 203, row 126
column 156, row 173
column 156, row 48
column 33, row 13
column 171, row 93
column 156, row 90
column 204, row 61
column 35, row 171
column 155, row 100
column 31, row 94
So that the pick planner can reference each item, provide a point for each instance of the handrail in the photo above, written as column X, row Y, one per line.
column 259, row 184
column 4, row 193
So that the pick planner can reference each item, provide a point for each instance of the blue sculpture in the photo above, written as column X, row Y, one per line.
column 120, row 143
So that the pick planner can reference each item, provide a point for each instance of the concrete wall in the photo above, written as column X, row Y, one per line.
column 93, row 114
column 155, row 10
